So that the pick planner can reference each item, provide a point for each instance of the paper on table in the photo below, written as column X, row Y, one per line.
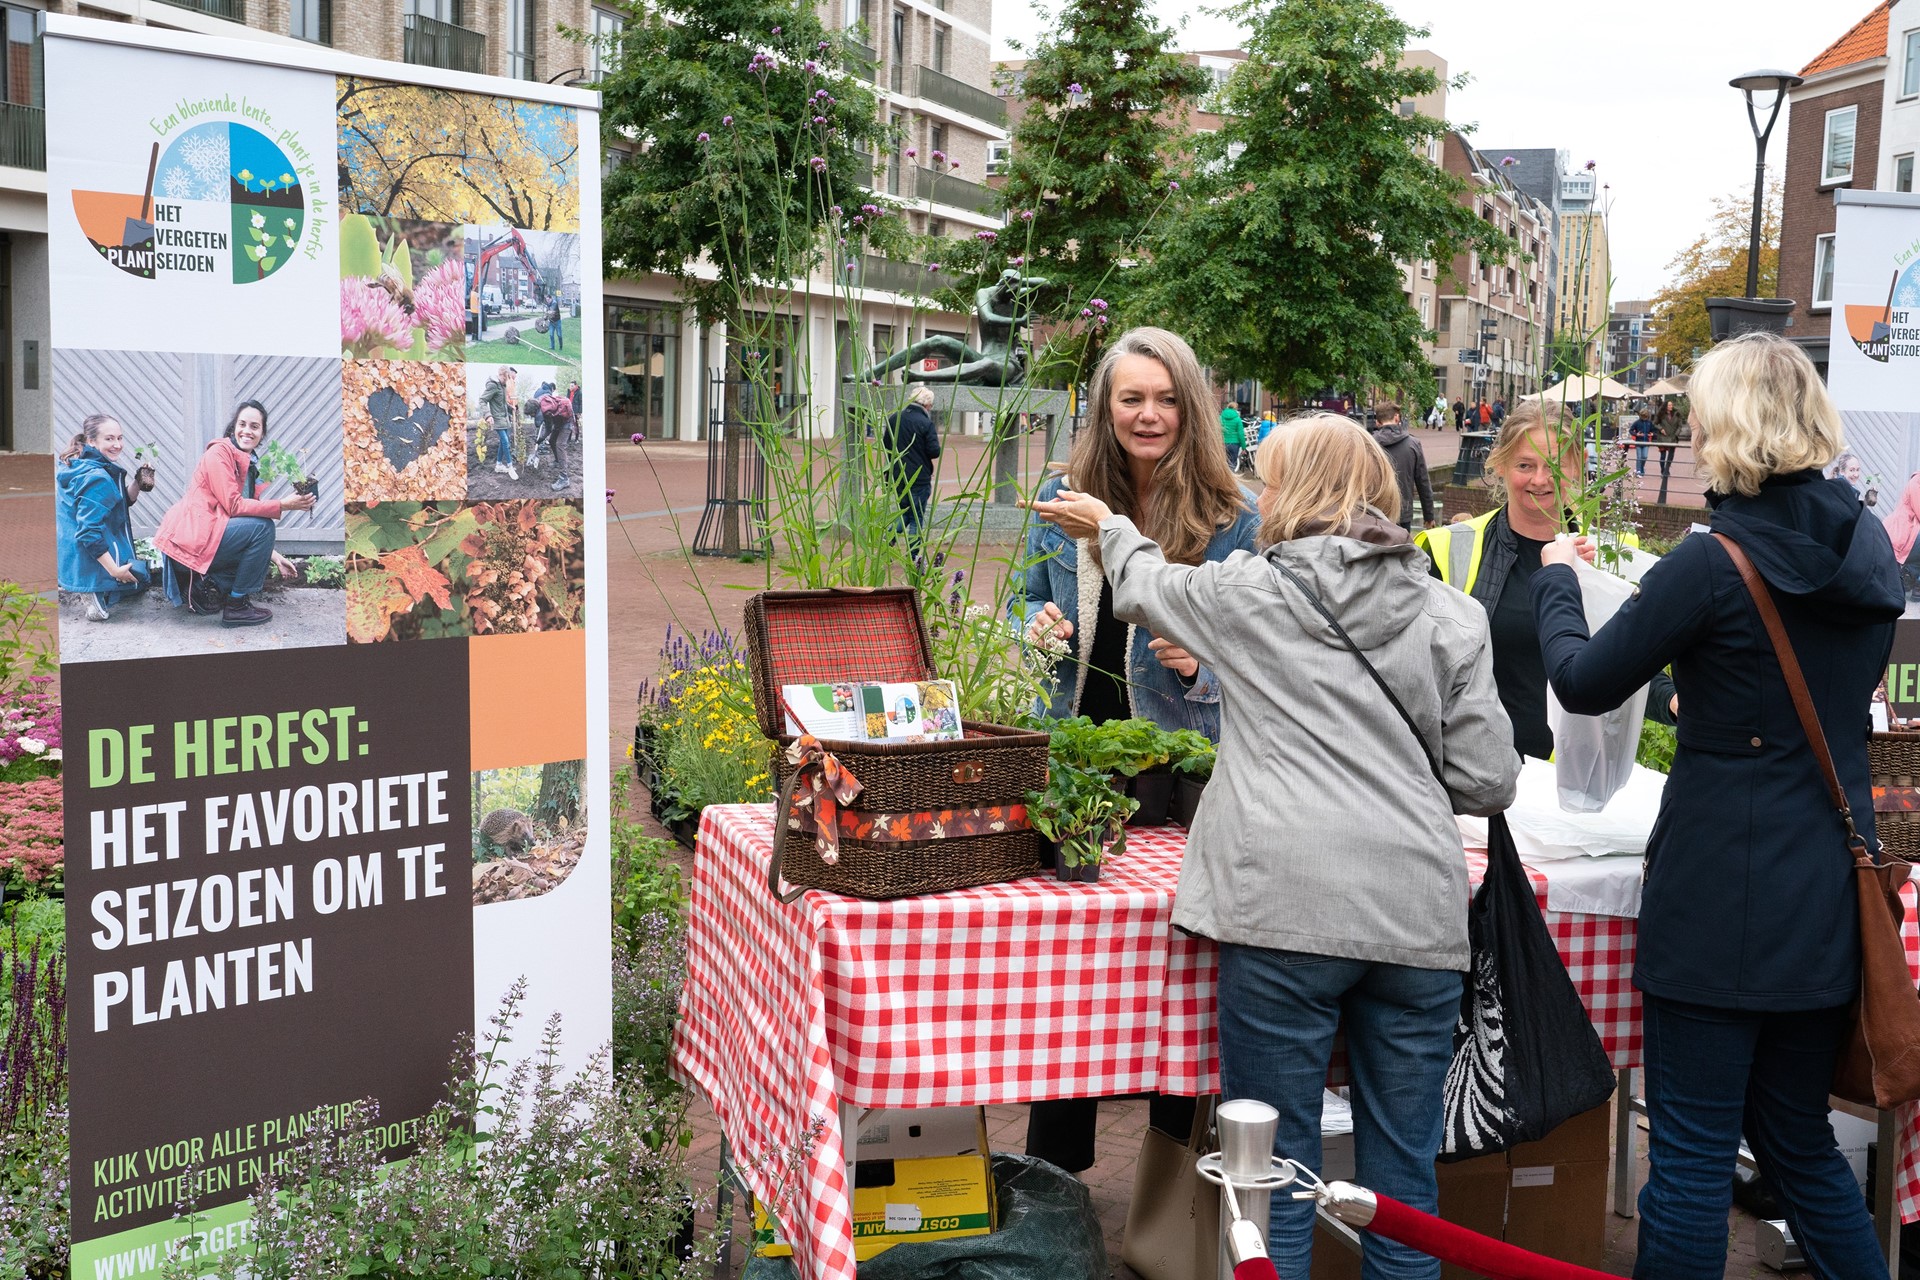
column 1544, row 832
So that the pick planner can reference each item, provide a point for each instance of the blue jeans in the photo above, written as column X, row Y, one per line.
column 1712, row 1074
column 239, row 567
column 555, row 335
column 1639, row 459
column 504, row 453
column 1278, row 1014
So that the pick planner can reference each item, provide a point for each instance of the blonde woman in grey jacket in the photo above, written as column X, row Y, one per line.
column 1324, row 858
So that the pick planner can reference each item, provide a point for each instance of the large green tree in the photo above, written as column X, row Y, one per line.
column 1715, row 266
column 741, row 125
column 1096, row 153
column 1284, row 263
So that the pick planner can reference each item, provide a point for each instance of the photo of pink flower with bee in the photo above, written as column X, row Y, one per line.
column 402, row 289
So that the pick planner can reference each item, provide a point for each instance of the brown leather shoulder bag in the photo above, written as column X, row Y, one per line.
column 1880, row 1063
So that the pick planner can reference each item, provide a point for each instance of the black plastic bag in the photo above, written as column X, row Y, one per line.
column 1048, row 1231
column 1525, row 1055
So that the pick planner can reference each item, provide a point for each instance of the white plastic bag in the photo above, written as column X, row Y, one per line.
column 1593, row 755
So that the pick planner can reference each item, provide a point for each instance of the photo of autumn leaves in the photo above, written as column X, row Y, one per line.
column 458, row 239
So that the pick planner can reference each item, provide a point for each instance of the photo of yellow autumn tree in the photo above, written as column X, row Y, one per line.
column 410, row 151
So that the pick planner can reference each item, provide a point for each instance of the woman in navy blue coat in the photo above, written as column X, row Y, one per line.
column 1748, row 934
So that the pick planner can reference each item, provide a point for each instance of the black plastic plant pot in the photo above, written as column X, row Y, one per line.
column 1049, row 854
column 1731, row 317
column 1088, row 873
column 1064, row 873
column 308, row 487
column 1153, row 788
column 1187, row 791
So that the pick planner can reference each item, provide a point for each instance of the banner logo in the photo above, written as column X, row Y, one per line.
column 220, row 199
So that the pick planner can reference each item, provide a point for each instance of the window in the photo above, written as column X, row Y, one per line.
column 1426, row 310
column 310, row 20
column 1446, row 317
column 1836, row 156
column 936, row 226
column 25, row 79
column 1822, row 271
column 999, row 158
column 521, row 37
column 1426, row 269
column 937, row 137
column 1910, row 75
column 895, row 158
column 1903, row 170
column 941, row 39
column 643, row 365
column 604, row 50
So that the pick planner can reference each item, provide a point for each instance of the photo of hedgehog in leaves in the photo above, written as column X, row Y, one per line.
column 527, row 830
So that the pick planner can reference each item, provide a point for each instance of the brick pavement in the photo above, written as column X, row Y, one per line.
column 659, row 489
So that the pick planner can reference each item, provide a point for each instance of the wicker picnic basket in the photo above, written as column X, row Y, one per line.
column 1894, row 761
column 817, row 637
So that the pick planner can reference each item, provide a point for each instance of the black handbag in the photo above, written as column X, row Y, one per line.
column 1525, row 1055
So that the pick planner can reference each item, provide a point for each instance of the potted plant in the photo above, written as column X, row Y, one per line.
column 1082, row 816
column 277, row 462
column 1136, row 752
column 147, row 455
column 1192, row 762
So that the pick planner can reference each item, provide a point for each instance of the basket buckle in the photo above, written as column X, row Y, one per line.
column 969, row 771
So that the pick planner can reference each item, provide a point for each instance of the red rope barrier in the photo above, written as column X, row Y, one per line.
column 1260, row 1268
column 1450, row 1243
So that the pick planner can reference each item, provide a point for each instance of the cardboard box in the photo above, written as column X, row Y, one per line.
column 919, row 1175
column 1549, row 1196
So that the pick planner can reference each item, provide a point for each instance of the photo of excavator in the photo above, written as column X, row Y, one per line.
column 523, row 295
column 484, row 296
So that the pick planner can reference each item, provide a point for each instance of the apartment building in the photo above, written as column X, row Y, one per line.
column 1835, row 139
column 1634, row 354
column 928, row 60
column 1584, row 265
column 1490, row 322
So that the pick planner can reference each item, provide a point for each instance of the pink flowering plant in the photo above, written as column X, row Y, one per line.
column 30, row 739
column 402, row 290
column 32, row 853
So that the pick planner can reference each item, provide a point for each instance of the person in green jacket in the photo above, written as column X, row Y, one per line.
column 1233, row 430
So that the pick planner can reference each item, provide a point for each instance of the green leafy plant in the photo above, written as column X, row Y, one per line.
column 277, row 462
column 1192, row 753
column 1124, row 747
column 1657, row 744
column 26, row 644
column 426, row 569
column 1081, row 812
column 326, row 571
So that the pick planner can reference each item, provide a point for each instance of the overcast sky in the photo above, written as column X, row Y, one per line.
column 1640, row 86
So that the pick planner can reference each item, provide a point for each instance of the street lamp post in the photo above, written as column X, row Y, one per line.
column 1730, row 316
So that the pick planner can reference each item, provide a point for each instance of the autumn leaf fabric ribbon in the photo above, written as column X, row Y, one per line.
column 821, row 785
column 924, row 824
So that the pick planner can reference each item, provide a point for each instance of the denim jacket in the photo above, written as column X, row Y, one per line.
column 1063, row 571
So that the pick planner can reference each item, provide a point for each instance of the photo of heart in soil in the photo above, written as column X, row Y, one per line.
column 528, row 830
column 198, row 502
column 425, row 570
column 406, row 430
column 524, row 420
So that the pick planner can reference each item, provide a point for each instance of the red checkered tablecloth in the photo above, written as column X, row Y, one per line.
column 1007, row 993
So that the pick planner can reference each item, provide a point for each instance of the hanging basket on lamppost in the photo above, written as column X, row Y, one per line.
column 1731, row 317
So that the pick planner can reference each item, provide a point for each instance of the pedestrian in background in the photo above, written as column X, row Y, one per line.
column 1459, row 414
column 1409, row 462
column 1288, row 855
column 1437, row 416
column 1233, row 434
column 1484, row 415
column 1499, row 413
column 1642, row 432
column 912, row 443
column 1749, row 950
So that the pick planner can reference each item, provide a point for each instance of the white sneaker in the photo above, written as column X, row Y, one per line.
column 501, row 467
column 96, row 612
column 533, row 463
column 511, row 473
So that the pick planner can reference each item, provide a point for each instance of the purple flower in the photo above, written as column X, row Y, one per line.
column 1590, row 166
column 1085, row 313
column 819, row 164
column 850, row 266
column 932, row 267
column 822, row 46
column 836, row 211
column 912, row 152
column 872, row 209
column 1026, row 215
column 819, row 119
column 727, row 120
column 776, row 31
column 701, row 138
column 1505, row 160
column 986, row 237
column 610, row 493
column 440, row 303
column 370, row 319
column 1019, row 260
column 1173, row 186
column 818, row 94
column 1099, row 304
column 938, row 156
column 953, row 164
column 812, row 66
column 636, row 438
column 1075, row 89
column 857, row 219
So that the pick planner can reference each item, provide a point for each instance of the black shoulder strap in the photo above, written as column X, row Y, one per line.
column 1354, row 649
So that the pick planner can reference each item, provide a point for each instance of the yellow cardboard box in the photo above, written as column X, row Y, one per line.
column 919, row 1175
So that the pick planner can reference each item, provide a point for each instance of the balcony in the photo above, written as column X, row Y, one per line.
column 959, row 96
column 931, row 184
column 430, row 42
column 863, row 60
column 231, row 10
column 899, row 277
column 23, row 136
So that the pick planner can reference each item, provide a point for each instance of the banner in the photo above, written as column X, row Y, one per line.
column 333, row 613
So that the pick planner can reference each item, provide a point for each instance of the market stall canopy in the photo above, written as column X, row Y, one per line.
column 1583, row 387
column 1674, row 386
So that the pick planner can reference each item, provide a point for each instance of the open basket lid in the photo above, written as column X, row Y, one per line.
column 874, row 634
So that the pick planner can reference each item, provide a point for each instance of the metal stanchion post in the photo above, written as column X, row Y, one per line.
column 1246, row 1128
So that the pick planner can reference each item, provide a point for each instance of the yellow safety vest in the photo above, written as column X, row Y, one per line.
column 1458, row 556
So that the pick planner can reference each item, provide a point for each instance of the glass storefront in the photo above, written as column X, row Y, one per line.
column 643, row 371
